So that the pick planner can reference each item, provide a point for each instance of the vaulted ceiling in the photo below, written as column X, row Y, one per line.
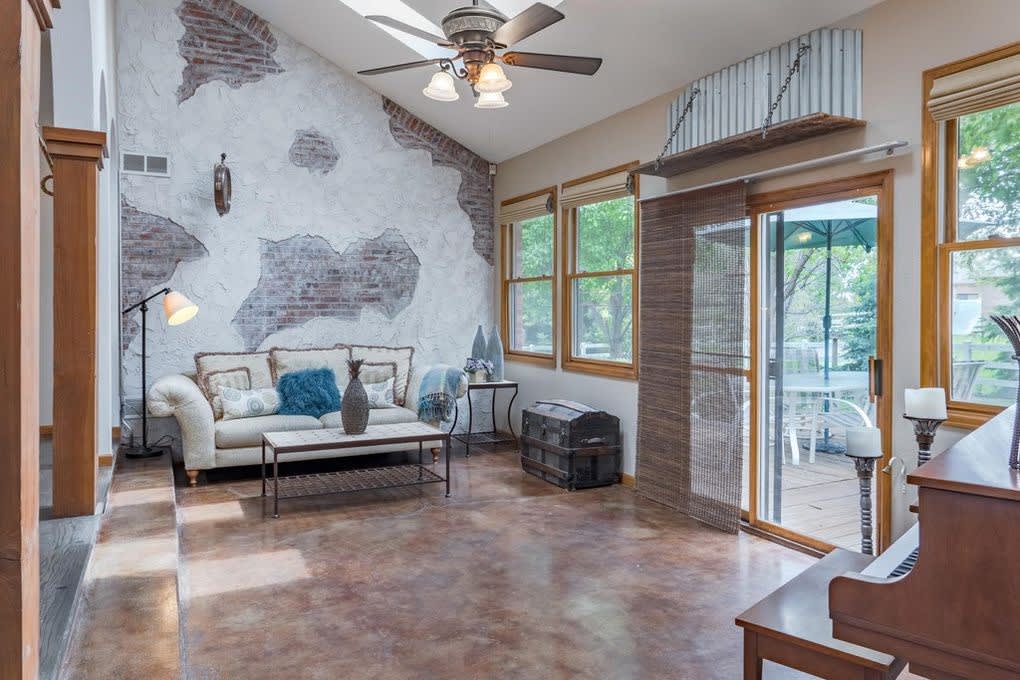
column 649, row 46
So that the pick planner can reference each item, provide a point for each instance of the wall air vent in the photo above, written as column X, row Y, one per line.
column 145, row 164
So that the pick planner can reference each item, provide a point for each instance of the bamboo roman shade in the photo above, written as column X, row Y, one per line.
column 976, row 89
column 527, row 208
column 690, row 440
column 596, row 190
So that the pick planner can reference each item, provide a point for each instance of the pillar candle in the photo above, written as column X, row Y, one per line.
column 925, row 402
column 864, row 442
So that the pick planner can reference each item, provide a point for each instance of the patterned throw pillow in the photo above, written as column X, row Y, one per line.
column 238, row 378
column 248, row 403
column 380, row 395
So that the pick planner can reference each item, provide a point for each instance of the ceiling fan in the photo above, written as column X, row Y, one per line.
column 477, row 33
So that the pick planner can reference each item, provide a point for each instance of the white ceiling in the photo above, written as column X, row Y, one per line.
column 649, row 46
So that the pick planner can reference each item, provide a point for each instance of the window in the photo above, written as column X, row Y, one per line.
column 528, row 240
column 600, row 274
column 972, row 128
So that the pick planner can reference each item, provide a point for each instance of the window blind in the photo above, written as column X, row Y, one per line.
column 596, row 190
column 977, row 89
column 526, row 209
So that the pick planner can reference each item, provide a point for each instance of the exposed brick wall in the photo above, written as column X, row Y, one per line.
column 151, row 247
column 313, row 150
column 223, row 41
column 475, row 194
column 303, row 278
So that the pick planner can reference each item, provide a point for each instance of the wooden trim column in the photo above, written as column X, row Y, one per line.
column 20, row 40
column 77, row 159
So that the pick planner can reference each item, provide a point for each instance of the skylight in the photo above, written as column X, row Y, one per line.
column 401, row 11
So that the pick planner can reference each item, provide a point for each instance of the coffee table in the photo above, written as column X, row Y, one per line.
column 347, row 481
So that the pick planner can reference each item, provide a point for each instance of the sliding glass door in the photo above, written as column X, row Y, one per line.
column 820, row 321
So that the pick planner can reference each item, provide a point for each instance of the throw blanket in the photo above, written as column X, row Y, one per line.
column 438, row 394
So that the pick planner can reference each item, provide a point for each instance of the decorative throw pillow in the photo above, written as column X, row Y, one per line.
column 256, row 362
column 238, row 378
column 380, row 395
column 402, row 356
column 284, row 361
column 311, row 392
column 248, row 403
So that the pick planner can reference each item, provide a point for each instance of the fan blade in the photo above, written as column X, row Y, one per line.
column 528, row 22
column 398, row 67
column 586, row 66
column 410, row 30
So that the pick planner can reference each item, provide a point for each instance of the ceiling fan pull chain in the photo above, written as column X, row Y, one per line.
column 676, row 128
column 794, row 69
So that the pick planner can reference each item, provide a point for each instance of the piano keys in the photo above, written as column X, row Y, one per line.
column 956, row 612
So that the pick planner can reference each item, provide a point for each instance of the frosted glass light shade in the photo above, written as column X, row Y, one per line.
column 492, row 79
column 441, row 88
column 491, row 100
column 178, row 308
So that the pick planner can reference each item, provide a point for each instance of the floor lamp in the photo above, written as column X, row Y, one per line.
column 178, row 309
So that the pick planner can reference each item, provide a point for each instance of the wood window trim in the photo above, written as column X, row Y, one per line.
column 872, row 184
column 606, row 369
column 506, row 280
column 933, row 306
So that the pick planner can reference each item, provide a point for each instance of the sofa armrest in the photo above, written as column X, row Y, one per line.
column 179, row 396
column 414, row 387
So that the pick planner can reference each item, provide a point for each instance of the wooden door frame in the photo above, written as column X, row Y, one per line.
column 878, row 184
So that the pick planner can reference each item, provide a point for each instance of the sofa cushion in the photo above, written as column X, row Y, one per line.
column 257, row 364
column 402, row 356
column 232, row 434
column 376, row 416
column 283, row 361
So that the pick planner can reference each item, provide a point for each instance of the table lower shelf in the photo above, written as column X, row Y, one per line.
column 484, row 438
column 349, row 481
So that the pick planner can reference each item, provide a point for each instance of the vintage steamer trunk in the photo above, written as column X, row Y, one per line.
column 570, row 444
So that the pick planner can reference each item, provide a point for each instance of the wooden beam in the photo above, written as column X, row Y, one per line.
column 77, row 157
column 20, row 40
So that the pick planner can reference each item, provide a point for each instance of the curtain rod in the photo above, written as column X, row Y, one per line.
column 888, row 147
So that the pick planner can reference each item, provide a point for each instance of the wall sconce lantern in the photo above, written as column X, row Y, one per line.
column 221, row 186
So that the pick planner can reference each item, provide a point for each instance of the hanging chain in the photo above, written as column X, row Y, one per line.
column 794, row 69
column 676, row 128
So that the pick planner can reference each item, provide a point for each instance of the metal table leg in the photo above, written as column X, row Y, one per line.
column 276, row 484
column 471, row 422
column 446, row 452
column 509, row 407
column 263, row 467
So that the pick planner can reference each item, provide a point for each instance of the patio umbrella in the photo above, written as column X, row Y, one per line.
column 830, row 225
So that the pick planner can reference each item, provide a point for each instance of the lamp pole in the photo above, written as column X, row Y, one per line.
column 145, row 451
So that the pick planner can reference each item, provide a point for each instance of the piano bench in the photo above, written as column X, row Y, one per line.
column 792, row 627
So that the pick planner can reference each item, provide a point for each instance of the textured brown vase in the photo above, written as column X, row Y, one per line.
column 354, row 409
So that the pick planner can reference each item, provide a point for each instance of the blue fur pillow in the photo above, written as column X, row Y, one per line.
column 311, row 392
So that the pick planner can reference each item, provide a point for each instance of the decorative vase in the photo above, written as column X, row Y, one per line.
column 354, row 408
column 494, row 354
column 478, row 346
column 478, row 376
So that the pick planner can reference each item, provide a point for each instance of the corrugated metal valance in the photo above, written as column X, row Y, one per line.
column 596, row 190
column 525, row 209
column 976, row 89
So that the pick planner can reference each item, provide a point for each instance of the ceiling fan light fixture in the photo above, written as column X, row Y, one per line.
column 491, row 100
column 492, row 79
column 441, row 88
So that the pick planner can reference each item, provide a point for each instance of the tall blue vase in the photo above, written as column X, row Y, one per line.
column 478, row 347
column 494, row 353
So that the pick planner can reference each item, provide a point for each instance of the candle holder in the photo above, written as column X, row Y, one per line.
column 865, row 466
column 1010, row 326
column 924, row 433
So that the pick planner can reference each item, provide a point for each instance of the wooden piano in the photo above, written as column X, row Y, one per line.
column 946, row 596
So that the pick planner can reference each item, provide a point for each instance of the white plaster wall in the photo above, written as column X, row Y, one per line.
column 83, row 56
column 901, row 39
column 377, row 184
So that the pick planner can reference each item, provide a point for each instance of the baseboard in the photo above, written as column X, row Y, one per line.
column 105, row 460
column 627, row 480
column 45, row 430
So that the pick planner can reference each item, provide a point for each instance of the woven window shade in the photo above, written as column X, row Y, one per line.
column 605, row 188
column 526, row 209
column 977, row 89
column 690, row 439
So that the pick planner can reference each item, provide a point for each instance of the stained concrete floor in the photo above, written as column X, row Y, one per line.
column 509, row 578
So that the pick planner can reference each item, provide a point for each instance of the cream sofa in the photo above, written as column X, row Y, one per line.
column 209, row 442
